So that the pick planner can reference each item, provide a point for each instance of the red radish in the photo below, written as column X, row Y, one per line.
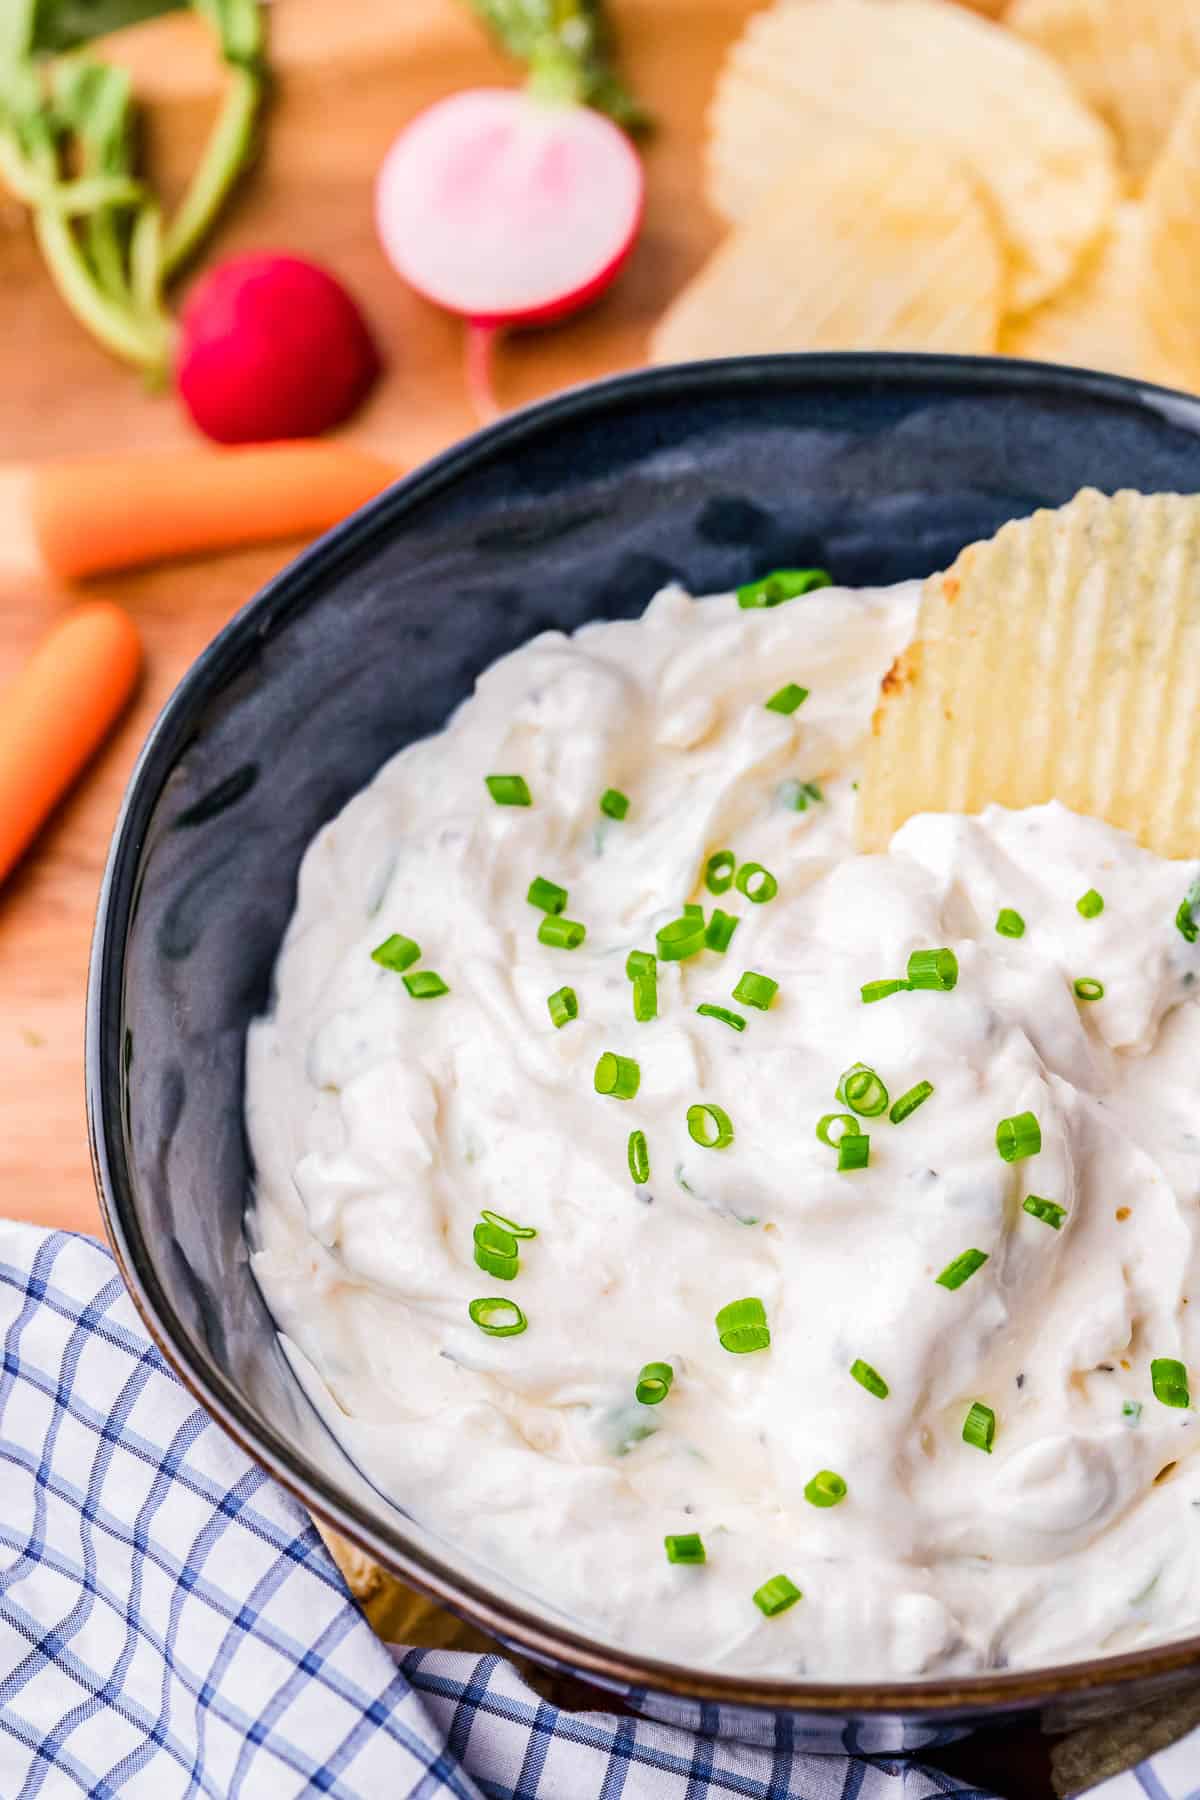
column 272, row 347
column 508, row 209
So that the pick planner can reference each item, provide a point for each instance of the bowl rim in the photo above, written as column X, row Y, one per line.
column 940, row 1699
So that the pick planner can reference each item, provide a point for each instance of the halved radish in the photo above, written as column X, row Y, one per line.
column 508, row 209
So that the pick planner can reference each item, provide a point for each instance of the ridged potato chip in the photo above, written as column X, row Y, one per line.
column 870, row 243
column 1172, row 250
column 1058, row 660
column 1133, row 60
column 929, row 71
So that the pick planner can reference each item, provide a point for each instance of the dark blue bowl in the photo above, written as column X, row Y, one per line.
column 877, row 467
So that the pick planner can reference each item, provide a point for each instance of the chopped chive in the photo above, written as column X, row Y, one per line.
column 962, row 1268
column 1048, row 1211
column 742, row 1327
column 503, row 1224
column 640, row 962
column 1087, row 989
column 547, row 895
column 654, row 1383
column 1090, row 905
column 881, row 990
column 645, row 998
column 870, row 1379
column 1018, row 1137
column 776, row 1595
column 681, row 938
column 509, row 790
column 784, row 584
column 719, row 871
column 564, row 1006
column 846, row 1119
column 755, row 990
column 1169, row 1380
column 979, row 1427
column 396, row 952
column 710, row 1127
column 639, row 1158
column 560, row 933
column 735, row 1021
column 721, row 928
column 800, row 794
column 496, row 1251
column 862, row 1091
column 825, row 1489
column 1185, row 918
column 936, row 969
column 425, row 985
column 758, row 884
column 618, row 1076
column 614, row 803
column 497, row 1317
column 854, row 1151
column 687, row 1547
column 1010, row 923
column 908, row 1103
column 788, row 698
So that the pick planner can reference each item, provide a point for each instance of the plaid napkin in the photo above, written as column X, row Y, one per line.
column 172, row 1625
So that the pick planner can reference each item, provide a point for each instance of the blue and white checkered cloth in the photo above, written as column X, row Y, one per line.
column 172, row 1625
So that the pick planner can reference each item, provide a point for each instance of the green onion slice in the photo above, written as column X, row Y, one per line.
column 1170, row 1381
column 496, row 1251
column 755, row 990
column 1018, row 1137
column 681, row 938
column 825, row 1489
column 547, row 895
column 908, row 1103
column 1131, row 1411
column 825, row 1124
column 1010, row 923
column 936, row 969
column 854, row 1151
column 639, row 1157
column 962, row 1268
column 561, row 934
column 735, row 1021
column 564, row 1006
column 687, row 1547
column 497, row 1317
column 721, row 928
column 788, row 698
column 776, row 1595
column 862, row 1091
column 758, row 884
column 881, row 990
column 509, row 1225
column 618, row 1076
column 869, row 1378
column 396, row 952
column 640, row 962
column 1185, row 918
column 719, row 871
column 645, row 998
column 693, row 911
column 614, row 803
column 1048, row 1211
column 509, row 790
column 742, row 1327
column 783, row 584
column 709, row 1126
column 1090, row 905
column 654, row 1383
column 1087, row 989
column 426, row 984
column 979, row 1426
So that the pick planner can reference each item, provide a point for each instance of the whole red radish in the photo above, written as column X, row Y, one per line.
column 509, row 209
column 272, row 346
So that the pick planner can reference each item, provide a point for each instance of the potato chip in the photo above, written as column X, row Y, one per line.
column 1058, row 660
column 1133, row 60
column 868, row 244
column 929, row 71
column 1173, row 244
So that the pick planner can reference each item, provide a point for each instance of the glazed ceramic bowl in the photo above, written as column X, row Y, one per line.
column 877, row 467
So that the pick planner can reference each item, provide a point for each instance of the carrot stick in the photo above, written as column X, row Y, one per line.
column 93, row 514
column 55, row 714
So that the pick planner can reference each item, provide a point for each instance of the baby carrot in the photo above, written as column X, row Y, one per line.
column 56, row 712
column 88, row 515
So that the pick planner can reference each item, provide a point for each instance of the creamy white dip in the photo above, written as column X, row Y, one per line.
column 382, row 1126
